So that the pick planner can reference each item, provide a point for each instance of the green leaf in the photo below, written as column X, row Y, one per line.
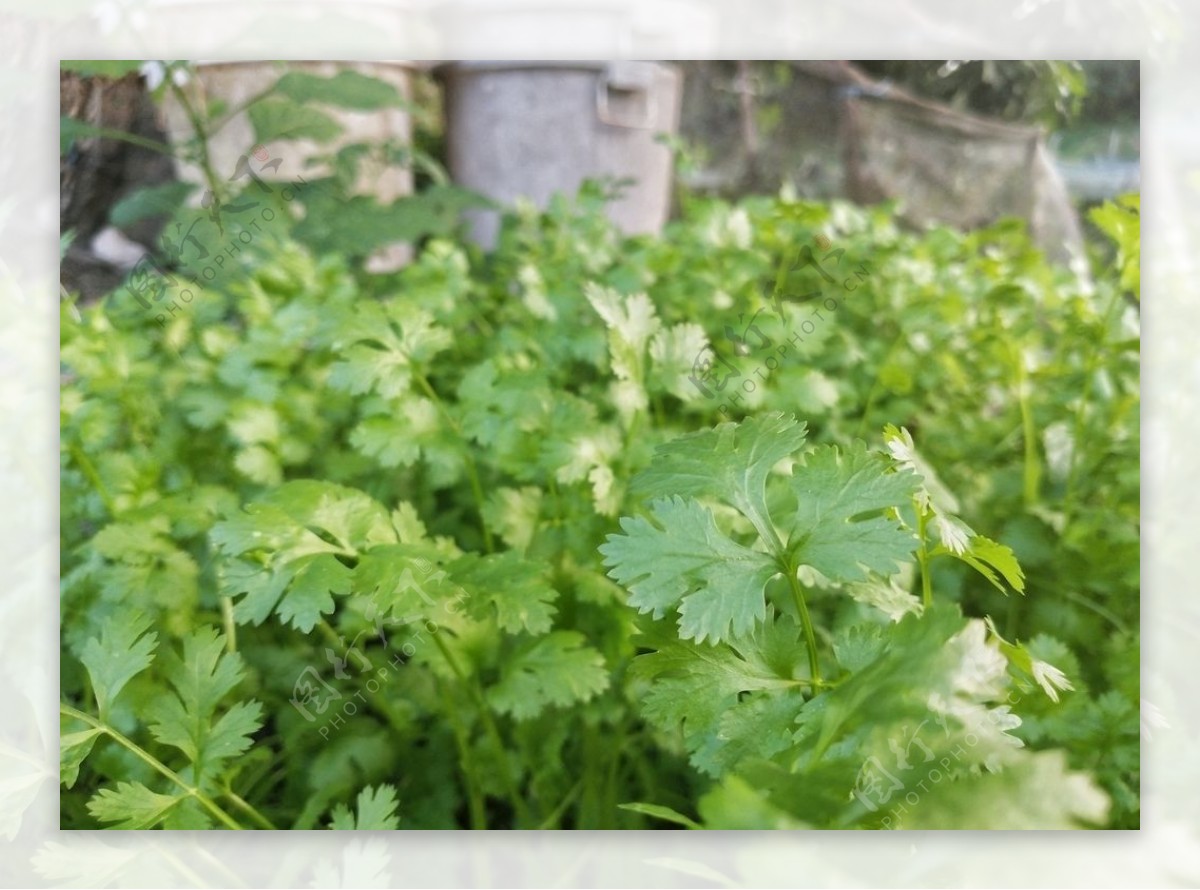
column 1122, row 222
column 404, row 580
column 984, row 555
column 377, row 349
column 282, row 118
column 348, row 89
column 310, row 593
column 660, row 812
column 730, row 462
column 265, row 528
column 376, row 811
column 132, row 806
column 511, row 589
column 201, row 678
column 262, row 589
column 513, row 514
column 736, row 805
column 557, row 669
column 858, row 645
column 355, row 225
column 353, row 519
column 73, row 749
column 289, row 543
column 155, row 200
column 685, row 562
column 123, row 650
column 694, row 686
column 834, row 491
column 70, row 129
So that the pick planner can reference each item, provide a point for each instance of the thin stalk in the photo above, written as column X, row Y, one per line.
column 468, row 457
column 1077, row 427
column 204, row 800
column 489, row 725
column 378, row 701
column 556, row 814
column 475, row 800
column 810, row 638
column 202, row 133
column 248, row 808
column 229, row 624
column 87, row 130
column 1032, row 469
column 923, row 559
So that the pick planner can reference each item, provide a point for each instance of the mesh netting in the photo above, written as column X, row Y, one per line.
column 952, row 168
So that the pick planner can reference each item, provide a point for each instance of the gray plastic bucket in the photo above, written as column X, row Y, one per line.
column 534, row 129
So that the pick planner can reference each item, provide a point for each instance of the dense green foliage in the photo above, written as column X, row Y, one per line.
column 786, row 518
column 465, row 546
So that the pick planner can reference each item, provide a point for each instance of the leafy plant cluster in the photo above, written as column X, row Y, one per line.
column 490, row 543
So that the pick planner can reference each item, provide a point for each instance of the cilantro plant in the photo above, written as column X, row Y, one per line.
column 702, row 530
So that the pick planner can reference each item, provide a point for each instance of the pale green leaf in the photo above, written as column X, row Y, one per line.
column 686, row 562
column 375, row 811
column 131, row 806
column 833, row 531
column 555, row 670
column 124, row 649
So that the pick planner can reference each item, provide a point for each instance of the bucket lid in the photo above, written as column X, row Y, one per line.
column 444, row 69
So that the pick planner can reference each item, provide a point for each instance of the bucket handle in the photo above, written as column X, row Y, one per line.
column 626, row 77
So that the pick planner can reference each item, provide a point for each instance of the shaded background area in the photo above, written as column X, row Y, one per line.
column 954, row 142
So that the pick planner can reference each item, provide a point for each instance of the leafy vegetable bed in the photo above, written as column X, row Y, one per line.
column 787, row 518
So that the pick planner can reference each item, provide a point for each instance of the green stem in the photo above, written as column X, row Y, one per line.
column 1077, row 427
column 485, row 715
column 202, row 134
column 470, row 775
column 378, row 701
column 468, row 457
column 229, row 624
column 923, row 558
column 88, row 131
column 552, row 820
column 219, row 814
column 1032, row 468
column 810, row 637
column 248, row 809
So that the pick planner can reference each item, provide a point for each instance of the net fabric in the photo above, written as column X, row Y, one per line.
column 947, row 167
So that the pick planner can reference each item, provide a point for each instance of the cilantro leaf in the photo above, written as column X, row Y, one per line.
column 73, row 749
column 132, row 806
column 289, row 543
column 730, row 462
column 201, row 678
column 686, row 562
column 557, row 669
column 694, row 686
column 123, row 650
column 834, row 489
column 375, row 811
column 989, row 558
column 513, row 587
